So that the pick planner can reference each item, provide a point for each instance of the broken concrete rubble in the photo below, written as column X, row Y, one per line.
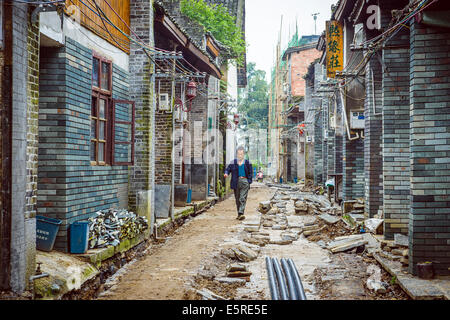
column 328, row 219
column 312, row 231
column 265, row 206
column 244, row 253
column 376, row 286
column 401, row 240
column 374, row 226
column 289, row 236
column 341, row 244
column 209, row 295
column 227, row 280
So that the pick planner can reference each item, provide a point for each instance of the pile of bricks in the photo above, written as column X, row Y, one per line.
column 395, row 250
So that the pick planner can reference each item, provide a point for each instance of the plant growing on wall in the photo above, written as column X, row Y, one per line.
column 217, row 20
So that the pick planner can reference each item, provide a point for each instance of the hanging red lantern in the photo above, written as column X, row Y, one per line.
column 236, row 119
column 191, row 90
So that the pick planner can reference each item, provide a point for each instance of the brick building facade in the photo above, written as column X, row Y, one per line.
column 397, row 161
column 20, row 74
column 84, row 130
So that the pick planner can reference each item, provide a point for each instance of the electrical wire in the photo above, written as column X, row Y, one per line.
column 106, row 28
column 92, row 21
column 38, row 2
column 104, row 18
column 101, row 14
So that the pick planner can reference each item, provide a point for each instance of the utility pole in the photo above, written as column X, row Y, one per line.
column 315, row 22
column 172, row 204
column 278, row 103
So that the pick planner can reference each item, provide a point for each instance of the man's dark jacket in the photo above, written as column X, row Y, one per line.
column 233, row 168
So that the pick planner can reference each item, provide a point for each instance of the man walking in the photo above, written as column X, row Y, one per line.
column 241, row 179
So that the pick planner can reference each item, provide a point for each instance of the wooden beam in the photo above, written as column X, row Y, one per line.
column 174, row 31
column 212, row 46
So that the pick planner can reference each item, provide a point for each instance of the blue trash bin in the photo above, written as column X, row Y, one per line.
column 46, row 231
column 189, row 196
column 79, row 237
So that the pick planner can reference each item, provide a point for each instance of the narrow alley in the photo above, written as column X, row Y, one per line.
column 224, row 150
column 195, row 257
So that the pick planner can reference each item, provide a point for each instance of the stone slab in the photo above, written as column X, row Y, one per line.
column 162, row 200
column 401, row 240
column 329, row 219
column 417, row 289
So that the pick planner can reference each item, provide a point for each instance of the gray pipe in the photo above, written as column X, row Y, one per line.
column 297, row 280
column 293, row 293
column 271, row 277
column 280, row 279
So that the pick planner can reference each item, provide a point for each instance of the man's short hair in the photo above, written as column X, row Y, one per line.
column 240, row 148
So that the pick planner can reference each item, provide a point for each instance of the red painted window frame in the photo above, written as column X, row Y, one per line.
column 114, row 122
column 105, row 94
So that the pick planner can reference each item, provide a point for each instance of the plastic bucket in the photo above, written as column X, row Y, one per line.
column 189, row 196
column 46, row 231
column 79, row 237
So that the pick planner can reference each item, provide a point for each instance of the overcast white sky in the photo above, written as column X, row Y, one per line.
column 263, row 20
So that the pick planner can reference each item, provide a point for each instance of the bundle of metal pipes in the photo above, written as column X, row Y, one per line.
column 284, row 280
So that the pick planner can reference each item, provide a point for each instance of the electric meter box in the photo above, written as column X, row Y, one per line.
column 357, row 120
column 164, row 103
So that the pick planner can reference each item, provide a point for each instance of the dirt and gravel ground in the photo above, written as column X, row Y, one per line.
column 190, row 259
column 166, row 271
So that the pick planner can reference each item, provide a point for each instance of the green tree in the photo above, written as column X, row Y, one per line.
column 217, row 20
column 254, row 100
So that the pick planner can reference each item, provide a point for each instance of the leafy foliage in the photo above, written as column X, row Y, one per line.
column 255, row 102
column 217, row 20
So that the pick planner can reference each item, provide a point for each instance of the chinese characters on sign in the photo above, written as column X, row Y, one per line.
column 335, row 51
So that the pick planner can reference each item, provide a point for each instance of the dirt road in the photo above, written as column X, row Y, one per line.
column 165, row 272
column 192, row 259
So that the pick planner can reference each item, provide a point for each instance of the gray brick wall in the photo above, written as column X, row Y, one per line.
column 373, row 166
column 429, row 224
column 325, row 128
column 24, row 147
column 163, row 136
column 196, row 169
column 396, row 131
column 142, row 92
column 353, row 169
column 340, row 135
column 318, row 142
column 70, row 188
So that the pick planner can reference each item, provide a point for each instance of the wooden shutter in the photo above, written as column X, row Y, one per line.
column 122, row 137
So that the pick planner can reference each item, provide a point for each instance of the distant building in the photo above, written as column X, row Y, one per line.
column 286, row 108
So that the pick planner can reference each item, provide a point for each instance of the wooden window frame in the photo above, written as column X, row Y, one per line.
column 99, row 89
column 113, row 140
column 102, row 94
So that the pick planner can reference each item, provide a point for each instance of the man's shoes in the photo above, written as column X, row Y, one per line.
column 241, row 217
